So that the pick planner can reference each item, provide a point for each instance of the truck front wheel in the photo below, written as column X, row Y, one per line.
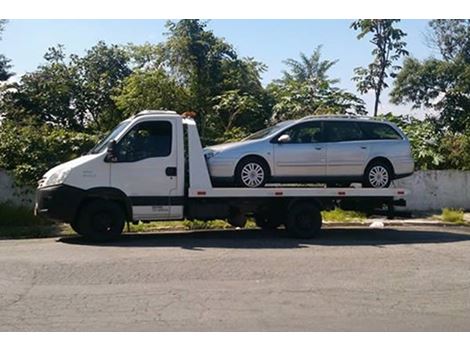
column 304, row 220
column 100, row 220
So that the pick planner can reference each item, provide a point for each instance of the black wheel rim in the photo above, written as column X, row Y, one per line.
column 102, row 222
column 304, row 221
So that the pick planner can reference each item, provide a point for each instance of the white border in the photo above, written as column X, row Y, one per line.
column 234, row 342
column 234, row 9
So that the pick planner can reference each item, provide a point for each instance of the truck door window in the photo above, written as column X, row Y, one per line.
column 148, row 139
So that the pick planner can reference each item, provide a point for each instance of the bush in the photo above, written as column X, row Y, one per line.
column 29, row 151
column 453, row 215
column 340, row 215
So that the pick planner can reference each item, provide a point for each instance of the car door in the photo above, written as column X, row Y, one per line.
column 347, row 150
column 145, row 169
column 302, row 153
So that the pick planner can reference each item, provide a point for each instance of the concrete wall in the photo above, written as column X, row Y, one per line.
column 12, row 194
column 434, row 190
column 430, row 190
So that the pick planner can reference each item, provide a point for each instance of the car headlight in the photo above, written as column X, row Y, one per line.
column 56, row 178
column 210, row 155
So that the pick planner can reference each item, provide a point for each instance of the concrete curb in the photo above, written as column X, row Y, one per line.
column 391, row 223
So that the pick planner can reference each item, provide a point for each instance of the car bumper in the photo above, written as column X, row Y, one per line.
column 58, row 202
column 403, row 167
column 222, row 168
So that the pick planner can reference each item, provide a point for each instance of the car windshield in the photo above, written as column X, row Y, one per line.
column 266, row 132
column 113, row 134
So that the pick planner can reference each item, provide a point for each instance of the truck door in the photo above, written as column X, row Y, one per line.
column 146, row 169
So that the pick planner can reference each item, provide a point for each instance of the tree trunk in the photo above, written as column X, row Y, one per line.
column 376, row 104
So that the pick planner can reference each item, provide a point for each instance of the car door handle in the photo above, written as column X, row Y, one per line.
column 363, row 147
column 170, row 171
column 318, row 148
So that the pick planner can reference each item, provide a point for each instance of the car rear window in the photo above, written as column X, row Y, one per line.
column 376, row 131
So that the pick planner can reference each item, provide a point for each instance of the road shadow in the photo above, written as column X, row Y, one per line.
column 259, row 239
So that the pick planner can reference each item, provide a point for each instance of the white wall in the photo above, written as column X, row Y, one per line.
column 10, row 193
column 434, row 190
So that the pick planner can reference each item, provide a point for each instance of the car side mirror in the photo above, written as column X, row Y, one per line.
column 285, row 138
column 111, row 152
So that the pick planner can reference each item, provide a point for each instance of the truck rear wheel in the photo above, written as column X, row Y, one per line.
column 304, row 220
column 100, row 220
column 268, row 220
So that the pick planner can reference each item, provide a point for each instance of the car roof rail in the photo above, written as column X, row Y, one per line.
column 353, row 117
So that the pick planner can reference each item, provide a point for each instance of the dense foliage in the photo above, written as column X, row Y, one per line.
column 4, row 62
column 28, row 151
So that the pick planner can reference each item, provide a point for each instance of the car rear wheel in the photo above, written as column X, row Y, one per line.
column 251, row 172
column 378, row 175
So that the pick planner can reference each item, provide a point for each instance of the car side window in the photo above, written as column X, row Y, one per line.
column 148, row 139
column 376, row 131
column 305, row 133
column 343, row 131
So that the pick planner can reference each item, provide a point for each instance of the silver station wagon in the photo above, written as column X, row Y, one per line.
column 336, row 150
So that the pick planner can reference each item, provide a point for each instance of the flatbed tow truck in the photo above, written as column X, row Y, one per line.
column 101, row 191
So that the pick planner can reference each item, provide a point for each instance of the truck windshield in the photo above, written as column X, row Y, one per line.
column 267, row 131
column 112, row 135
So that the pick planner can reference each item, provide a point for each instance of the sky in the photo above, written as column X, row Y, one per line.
column 268, row 41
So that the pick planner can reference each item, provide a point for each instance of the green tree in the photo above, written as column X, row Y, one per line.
column 4, row 62
column 152, row 90
column 46, row 95
column 389, row 46
column 71, row 92
column 309, row 69
column 101, row 73
column 29, row 151
column 306, row 89
column 195, row 57
column 440, row 84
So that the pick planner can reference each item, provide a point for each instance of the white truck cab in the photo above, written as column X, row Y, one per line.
column 152, row 167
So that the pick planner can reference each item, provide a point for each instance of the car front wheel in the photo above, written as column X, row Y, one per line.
column 251, row 172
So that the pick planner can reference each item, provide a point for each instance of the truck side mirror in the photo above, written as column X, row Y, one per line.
column 111, row 152
column 285, row 138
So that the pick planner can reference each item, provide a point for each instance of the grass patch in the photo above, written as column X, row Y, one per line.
column 15, row 215
column 453, row 215
column 340, row 215
column 185, row 225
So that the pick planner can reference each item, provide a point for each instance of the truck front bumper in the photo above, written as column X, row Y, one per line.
column 58, row 202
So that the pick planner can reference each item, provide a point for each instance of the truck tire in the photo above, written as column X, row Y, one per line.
column 268, row 220
column 236, row 218
column 100, row 220
column 304, row 220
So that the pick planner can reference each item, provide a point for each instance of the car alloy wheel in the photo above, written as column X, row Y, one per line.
column 252, row 175
column 378, row 176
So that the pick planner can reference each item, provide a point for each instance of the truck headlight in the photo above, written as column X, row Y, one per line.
column 56, row 178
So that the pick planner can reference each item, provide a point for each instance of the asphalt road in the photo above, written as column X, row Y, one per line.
column 405, row 279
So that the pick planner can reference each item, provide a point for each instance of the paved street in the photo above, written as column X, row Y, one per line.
column 347, row 279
